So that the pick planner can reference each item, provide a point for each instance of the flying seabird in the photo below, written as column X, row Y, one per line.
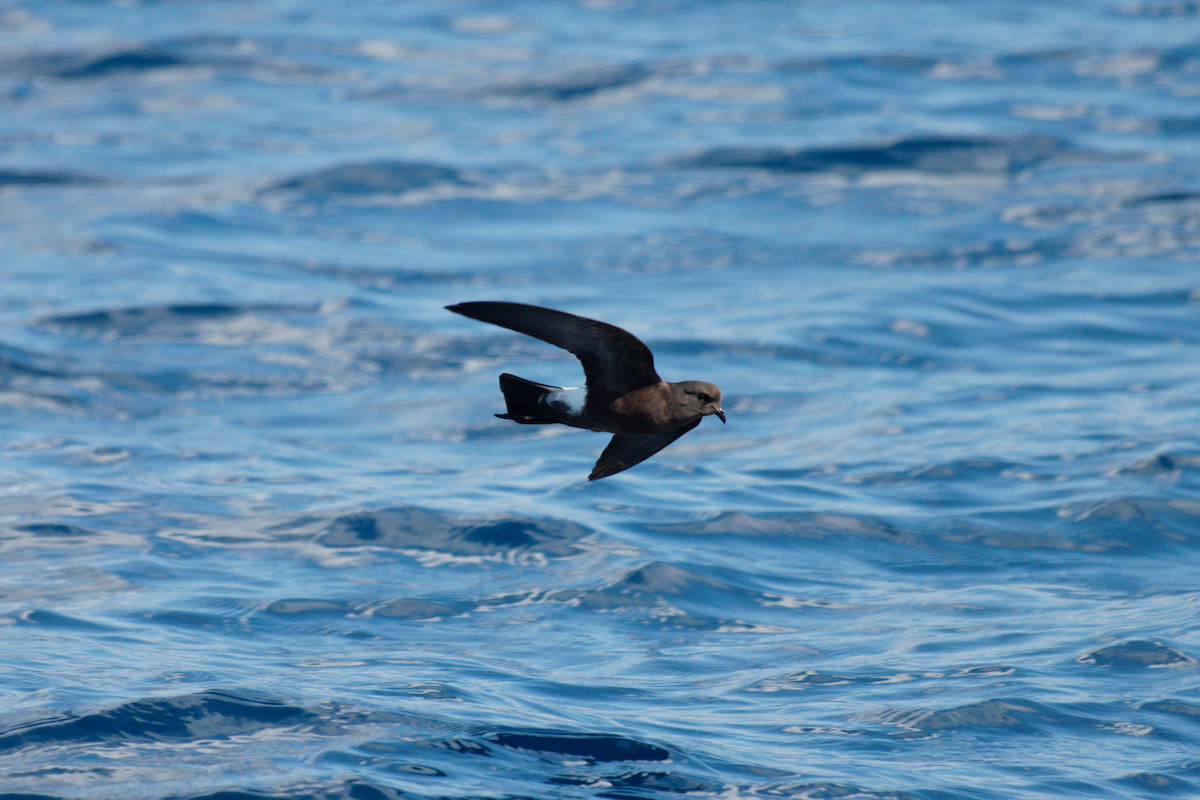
column 623, row 395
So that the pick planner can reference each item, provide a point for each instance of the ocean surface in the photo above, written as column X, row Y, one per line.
column 261, row 535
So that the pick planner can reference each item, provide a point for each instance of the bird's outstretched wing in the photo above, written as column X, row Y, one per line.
column 614, row 360
column 624, row 450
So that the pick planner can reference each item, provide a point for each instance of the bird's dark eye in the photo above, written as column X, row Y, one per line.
column 704, row 398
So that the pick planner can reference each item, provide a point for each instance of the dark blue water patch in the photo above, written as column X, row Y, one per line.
column 886, row 62
column 137, row 60
column 213, row 715
column 1137, row 655
column 417, row 529
column 592, row 748
column 1163, row 198
column 72, row 64
column 613, row 765
column 515, row 756
column 43, row 618
column 377, row 177
column 939, row 155
column 55, row 530
column 17, row 363
column 225, row 54
column 36, row 179
column 34, row 380
column 1175, row 126
column 579, row 85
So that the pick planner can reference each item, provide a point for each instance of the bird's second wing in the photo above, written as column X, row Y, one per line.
column 614, row 360
column 624, row 451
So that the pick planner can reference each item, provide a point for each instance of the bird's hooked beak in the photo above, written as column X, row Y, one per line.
column 720, row 412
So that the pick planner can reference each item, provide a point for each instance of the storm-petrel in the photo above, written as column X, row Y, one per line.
column 623, row 395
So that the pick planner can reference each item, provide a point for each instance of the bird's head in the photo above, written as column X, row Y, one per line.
column 702, row 397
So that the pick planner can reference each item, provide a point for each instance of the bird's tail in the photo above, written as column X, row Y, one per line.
column 524, row 401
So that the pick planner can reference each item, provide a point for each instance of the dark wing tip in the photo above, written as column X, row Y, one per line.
column 603, row 469
column 607, row 465
column 470, row 308
column 597, row 472
column 493, row 312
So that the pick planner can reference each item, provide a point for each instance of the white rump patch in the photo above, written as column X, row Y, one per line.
column 570, row 400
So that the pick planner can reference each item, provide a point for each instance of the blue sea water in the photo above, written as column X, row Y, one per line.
column 261, row 535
